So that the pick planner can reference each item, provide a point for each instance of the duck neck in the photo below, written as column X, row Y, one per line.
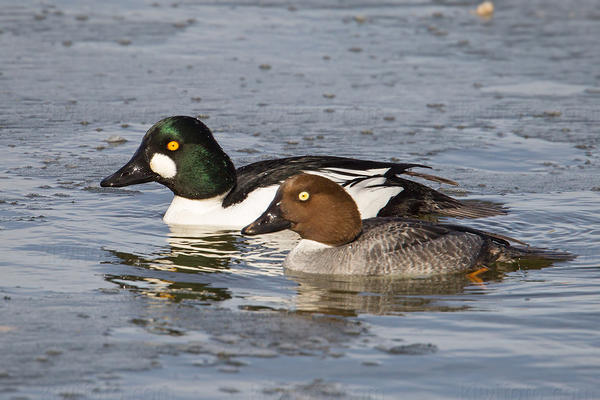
column 206, row 174
column 333, row 227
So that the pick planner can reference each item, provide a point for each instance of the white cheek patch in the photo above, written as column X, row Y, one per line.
column 163, row 165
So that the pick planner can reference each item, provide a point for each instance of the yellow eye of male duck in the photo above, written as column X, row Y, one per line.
column 173, row 145
column 303, row 196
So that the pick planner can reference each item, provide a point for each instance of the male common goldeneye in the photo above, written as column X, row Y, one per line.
column 181, row 153
column 336, row 241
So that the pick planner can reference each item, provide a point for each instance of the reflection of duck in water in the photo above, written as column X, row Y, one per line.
column 169, row 289
column 353, row 295
column 336, row 241
column 228, row 246
column 202, row 251
column 388, row 294
column 181, row 153
column 203, row 264
column 180, row 271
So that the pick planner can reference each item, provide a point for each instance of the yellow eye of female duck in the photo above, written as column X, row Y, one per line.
column 173, row 145
column 303, row 196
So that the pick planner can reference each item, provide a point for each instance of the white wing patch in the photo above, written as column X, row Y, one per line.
column 368, row 192
column 372, row 199
column 163, row 165
column 343, row 175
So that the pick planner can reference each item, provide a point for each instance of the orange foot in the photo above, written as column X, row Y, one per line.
column 473, row 276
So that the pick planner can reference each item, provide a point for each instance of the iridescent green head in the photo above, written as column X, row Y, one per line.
column 181, row 153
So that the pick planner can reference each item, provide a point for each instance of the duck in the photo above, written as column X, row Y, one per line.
column 181, row 153
column 336, row 241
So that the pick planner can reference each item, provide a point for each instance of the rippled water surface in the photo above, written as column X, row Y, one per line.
column 99, row 299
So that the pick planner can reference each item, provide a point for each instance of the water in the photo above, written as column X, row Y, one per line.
column 100, row 300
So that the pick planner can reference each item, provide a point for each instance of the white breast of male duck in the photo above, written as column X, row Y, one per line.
column 210, row 211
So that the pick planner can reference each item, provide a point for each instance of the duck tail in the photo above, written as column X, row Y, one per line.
column 472, row 209
column 430, row 177
column 418, row 200
column 536, row 253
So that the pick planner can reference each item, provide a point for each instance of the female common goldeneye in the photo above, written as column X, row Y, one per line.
column 181, row 153
column 336, row 241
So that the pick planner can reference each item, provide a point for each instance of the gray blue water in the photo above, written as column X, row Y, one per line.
column 100, row 300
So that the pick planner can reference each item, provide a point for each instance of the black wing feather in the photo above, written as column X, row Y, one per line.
column 272, row 172
column 418, row 200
